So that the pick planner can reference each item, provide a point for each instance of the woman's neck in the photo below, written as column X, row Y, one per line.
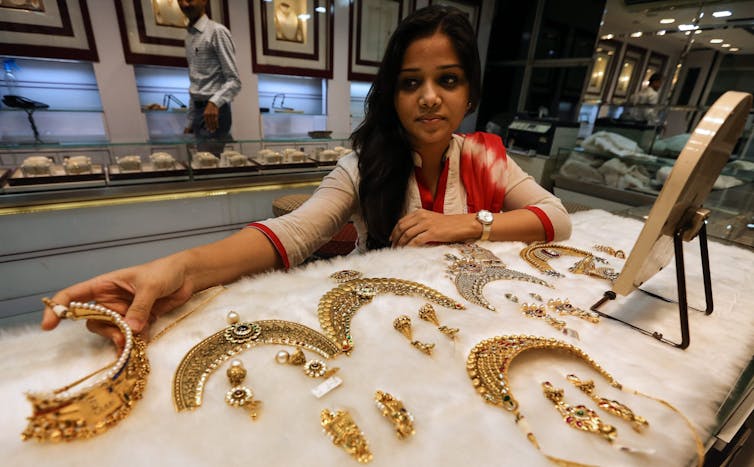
column 433, row 159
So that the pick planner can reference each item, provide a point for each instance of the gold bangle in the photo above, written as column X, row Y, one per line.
column 65, row 415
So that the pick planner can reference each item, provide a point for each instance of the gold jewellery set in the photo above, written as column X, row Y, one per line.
column 67, row 414
column 488, row 367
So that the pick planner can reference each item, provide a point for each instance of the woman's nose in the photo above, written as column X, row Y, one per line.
column 428, row 96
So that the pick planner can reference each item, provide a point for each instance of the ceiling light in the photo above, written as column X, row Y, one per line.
column 320, row 9
column 687, row 27
column 636, row 34
column 722, row 14
column 698, row 31
column 716, row 41
column 304, row 16
column 607, row 36
column 661, row 32
column 667, row 21
column 725, row 45
column 734, row 49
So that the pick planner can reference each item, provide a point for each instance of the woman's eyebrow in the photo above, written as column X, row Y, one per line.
column 441, row 67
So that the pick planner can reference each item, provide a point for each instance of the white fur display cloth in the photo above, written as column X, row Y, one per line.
column 454, row 426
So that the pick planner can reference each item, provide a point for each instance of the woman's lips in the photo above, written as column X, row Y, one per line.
column 429, row 119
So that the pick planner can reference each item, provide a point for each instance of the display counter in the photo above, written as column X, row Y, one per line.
column 454, row 426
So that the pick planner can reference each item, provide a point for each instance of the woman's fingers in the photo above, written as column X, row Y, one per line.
column 107, row 330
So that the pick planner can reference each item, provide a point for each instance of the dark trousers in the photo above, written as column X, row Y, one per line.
column 206, row 140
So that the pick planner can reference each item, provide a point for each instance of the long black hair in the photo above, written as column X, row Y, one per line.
column 385, row 162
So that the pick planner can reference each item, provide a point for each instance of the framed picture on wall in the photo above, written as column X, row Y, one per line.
column 153, row 31
column 292, row 37
column 47, row 29
column 470, row 7
column 628, row 74
column 604, row 57
column 371, row 23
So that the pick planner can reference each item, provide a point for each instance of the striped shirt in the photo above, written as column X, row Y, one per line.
column 212, row 64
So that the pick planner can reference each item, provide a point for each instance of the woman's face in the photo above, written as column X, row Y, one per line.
column 432, row 93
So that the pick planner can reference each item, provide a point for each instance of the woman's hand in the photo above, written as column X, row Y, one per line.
column 140, row 293
column 422, row 227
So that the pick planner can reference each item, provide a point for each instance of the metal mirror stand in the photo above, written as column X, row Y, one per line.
column 696, row 227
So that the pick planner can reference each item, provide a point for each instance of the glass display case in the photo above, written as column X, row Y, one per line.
column 634, row 180
column 53, row 171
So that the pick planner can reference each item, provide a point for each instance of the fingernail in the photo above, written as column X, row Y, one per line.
column 134, row 324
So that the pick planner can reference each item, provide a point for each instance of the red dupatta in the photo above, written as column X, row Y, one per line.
column 483, row 168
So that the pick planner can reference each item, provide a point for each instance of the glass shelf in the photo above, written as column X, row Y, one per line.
column 187, row 173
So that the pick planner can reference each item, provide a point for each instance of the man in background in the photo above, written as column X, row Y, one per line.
column 213, row 76
column 644, row 103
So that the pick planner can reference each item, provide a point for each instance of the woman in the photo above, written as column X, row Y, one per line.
column 413, row 183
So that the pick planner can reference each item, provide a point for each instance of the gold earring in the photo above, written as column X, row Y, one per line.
column 313, row 368
column 402, row 324
column 296, row 359
column 614, row 407
column 579, row 417
column 535, row 310
column 564, row 307
column 427, row 313
column 240, row 396
column 344, row 432
column 394, row 410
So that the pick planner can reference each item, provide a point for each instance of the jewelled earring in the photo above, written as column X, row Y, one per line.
column 579, row 417
column 427, row 313
column 240, row 396
column 402, row 324
column 344, row 432
column 393, row 410
column 535, row 310
column 564, row 307
column 614, row 407
column 313, row 368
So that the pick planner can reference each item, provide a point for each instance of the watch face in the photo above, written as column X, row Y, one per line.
column 484, row 216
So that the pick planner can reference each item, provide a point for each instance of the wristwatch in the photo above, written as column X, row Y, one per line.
column 485, row 218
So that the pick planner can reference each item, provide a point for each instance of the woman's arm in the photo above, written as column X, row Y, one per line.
column 144, row 292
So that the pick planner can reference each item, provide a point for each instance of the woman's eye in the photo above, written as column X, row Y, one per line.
column 449, row 80
column 408, row 84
